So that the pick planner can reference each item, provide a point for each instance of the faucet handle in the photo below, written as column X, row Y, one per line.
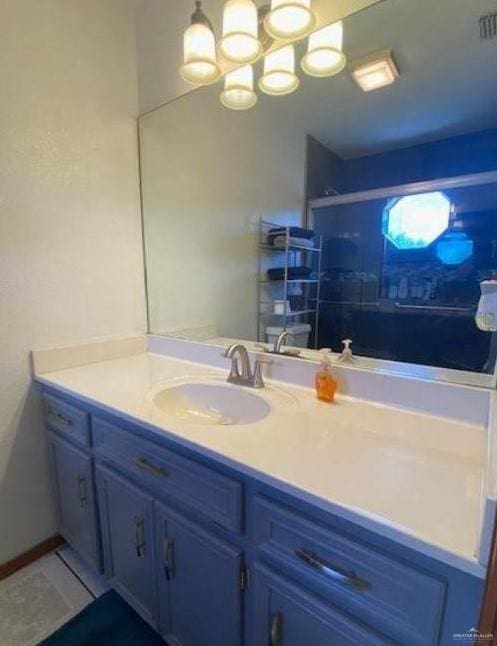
column 258, row 378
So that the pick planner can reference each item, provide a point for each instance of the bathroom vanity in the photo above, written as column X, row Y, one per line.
column 309, row 524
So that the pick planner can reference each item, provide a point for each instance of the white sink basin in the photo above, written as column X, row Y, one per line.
column 212, row 404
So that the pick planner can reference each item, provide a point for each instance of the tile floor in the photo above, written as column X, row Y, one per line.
column 43, row 596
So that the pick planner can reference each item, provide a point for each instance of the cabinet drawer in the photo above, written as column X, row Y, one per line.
column 68, row 420
column 395, row 598
column 215, row 497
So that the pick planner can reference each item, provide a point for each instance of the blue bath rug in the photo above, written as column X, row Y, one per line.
column 107, row 621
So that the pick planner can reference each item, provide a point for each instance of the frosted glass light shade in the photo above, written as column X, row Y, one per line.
column 279, row 76
column 199, row 47
column 324, row 56
column 240, row 42
column 290, row 19
column 239, row 89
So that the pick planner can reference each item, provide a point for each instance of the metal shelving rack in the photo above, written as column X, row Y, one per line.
column 266, row 287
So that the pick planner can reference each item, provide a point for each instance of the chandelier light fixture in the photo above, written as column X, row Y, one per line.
column 199, row 50
column 250, row 33
column 290, row 19
column 279, row 76
column 239, row 89
column 325, row 56
column 240, row 42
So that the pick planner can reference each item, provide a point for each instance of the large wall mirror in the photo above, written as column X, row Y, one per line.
column 336, row 213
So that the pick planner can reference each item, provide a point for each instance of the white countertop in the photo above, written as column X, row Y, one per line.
column 412, row 477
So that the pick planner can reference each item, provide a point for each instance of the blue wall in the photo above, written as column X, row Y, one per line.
column 466, row 154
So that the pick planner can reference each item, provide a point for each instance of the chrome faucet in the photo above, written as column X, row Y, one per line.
column 278, row 344
column 239, row 355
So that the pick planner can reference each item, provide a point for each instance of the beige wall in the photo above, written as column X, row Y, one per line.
column 70, row 237
column 208, row 176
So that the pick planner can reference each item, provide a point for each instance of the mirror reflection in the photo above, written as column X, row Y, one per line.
column 358, row 213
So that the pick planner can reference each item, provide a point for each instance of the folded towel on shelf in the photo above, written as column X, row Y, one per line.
column 293, row 232
column 294, row 273
column 280, row 242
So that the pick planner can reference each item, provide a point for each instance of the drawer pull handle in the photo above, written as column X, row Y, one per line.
column 140, row 537
column 145, row 465
column 276, row 634
column 333, row 571
column 83, row 499
column 62, row 419
column 169, row 566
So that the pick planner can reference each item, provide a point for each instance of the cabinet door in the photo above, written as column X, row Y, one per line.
column 288, row 616
column 75, row 504
column 199, row 584
column 127, row 533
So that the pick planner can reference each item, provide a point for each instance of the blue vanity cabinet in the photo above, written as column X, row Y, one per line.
column 142, row 485
column 286, row 615
column 200, row 595
column 127, row 534
column 74, row 498
column 182, row 534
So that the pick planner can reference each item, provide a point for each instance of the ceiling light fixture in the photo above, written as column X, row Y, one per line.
column 279, row 76
column 289, row 19
column 199, row 50
column 240, row 43
column 324, row 56
column 239, row 89
column 250, row 32
column 375, row 71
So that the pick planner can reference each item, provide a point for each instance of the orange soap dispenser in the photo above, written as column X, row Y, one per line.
column 326, row 385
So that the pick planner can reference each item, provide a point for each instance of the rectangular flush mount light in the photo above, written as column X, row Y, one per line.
column 375, row 71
